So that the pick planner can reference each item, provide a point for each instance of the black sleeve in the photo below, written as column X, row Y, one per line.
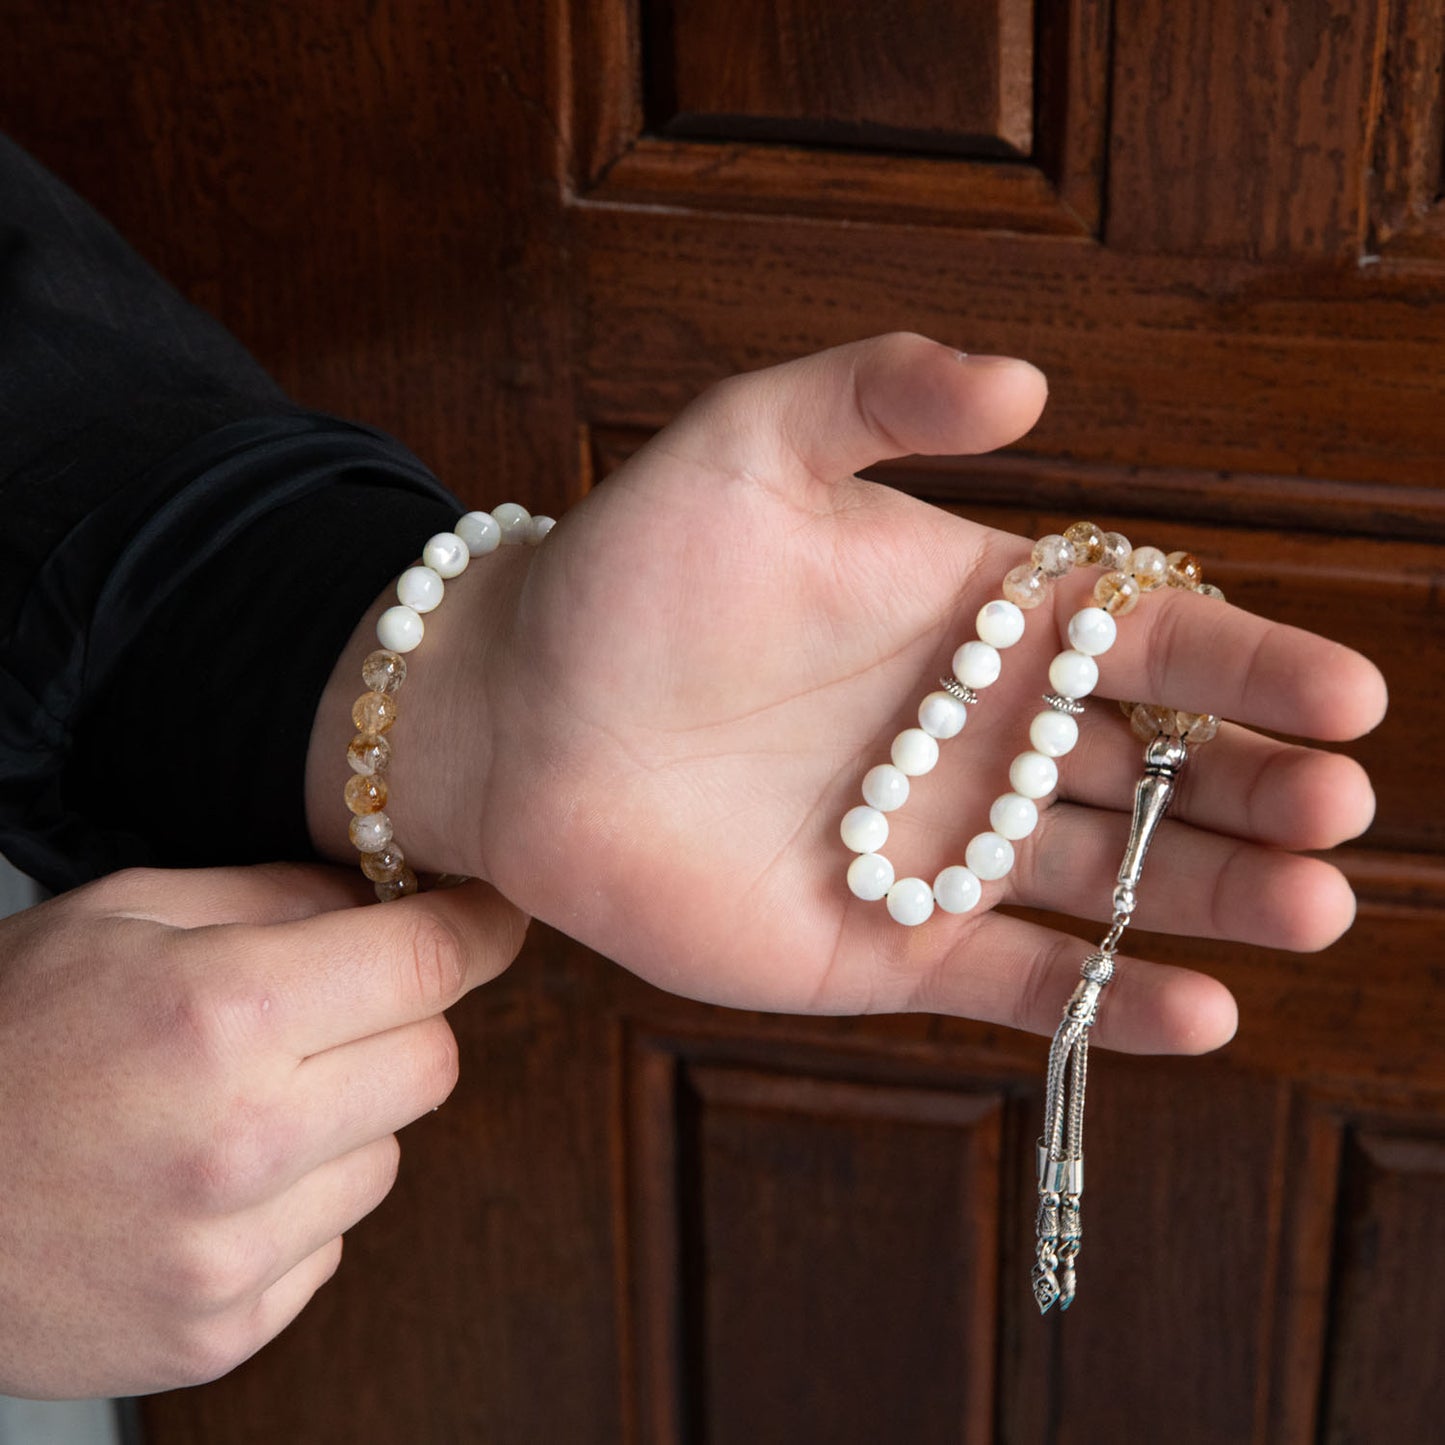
column 183, row 554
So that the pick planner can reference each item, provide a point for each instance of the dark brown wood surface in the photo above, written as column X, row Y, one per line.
column 499, row 231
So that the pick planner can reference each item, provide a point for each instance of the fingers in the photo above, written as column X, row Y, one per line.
column 197, row 897
column 326, row 980
column 1019, row 974
column 1195, row 883
column 825, row 416
column 1241, row 784
column 1202, row 655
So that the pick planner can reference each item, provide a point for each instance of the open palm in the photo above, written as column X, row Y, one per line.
column 712, row 649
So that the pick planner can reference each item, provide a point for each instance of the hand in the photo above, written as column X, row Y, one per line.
column 683, row 688
column 201, row 1074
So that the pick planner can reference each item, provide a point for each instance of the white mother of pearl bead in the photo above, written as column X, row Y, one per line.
column 1054, row 733
column 420, row 588
column 914, row 752
column 989, row 856
column 480, row 532
column 910, row 901
column 1013, row 816
column 1033, row 775
column 870, row 876
column 864, row 829
column 446, row 554
column 538, row 528
column 977, row 664
column 1092, row 631
column 957, row 889
column 1073, row 674
column 941, row 715
column 514, row 520
column 885, row 787
column 1000, row 623
column 400, row 629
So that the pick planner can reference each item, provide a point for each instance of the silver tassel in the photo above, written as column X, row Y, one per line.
column 1061, row 1149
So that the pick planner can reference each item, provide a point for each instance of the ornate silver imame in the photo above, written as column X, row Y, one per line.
column 1060, row 703
column 1061, row 1150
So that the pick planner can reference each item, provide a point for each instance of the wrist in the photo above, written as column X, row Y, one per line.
column 443, row 739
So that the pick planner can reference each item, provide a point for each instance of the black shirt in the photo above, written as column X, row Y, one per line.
column 183, row 554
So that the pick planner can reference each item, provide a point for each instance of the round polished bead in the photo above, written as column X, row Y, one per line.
column 368, row 755
column 941, row 715
column 402, row 887
column 1149, row 567
column 864, row 829
column 1013, row 816
column 1148, row 721
column 1073, row 674
column 1092, row 631
column 370, row 834
column 1087, row 541
column 384, row 671
column 977, row 664
column 420, row 588
column 1117, row 593
column 1053, row 555
column 446, row 554
column 870, row 876
column 400, row 629
column 1208, row 589
column 538, row 528
column 1198, row 727
column 373, row 713
column 1033, row 775
column 989, row 856
column 1000, row 623
column 385, row 865
column 957, row 889
column 914, row 752
column 1184, row 570
column 885, row 787
column 479, row 530
column 365, row 794
column 910, row 902
column 1114, row 553
column 515, row 522
column 1054, row 733
column 1025, row 586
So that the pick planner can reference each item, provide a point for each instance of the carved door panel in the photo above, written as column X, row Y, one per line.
column 521, row 237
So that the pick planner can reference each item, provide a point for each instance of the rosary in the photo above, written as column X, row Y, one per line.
column 1128, row 573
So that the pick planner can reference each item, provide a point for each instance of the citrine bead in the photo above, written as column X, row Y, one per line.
column 370, row 832
column 1148, row 566
column 1117, row 593
column 1149, row 721
column 1052, row 555
column 373, row 713
column 1208, row 589
column 1198, row 727
column 1087, row 541
column 1184, row 570
column 1114, row 554
column 384, row 671
column 368, row 754
column 1025, row 586
column 365, row 795
column 384, row 866
column 401, row 887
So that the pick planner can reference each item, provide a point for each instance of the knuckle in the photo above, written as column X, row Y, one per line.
column 209, row 1272
column 437, row 958
column 235, row 1165
column 208, row 1349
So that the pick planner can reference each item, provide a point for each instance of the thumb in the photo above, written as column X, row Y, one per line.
column 825, row 416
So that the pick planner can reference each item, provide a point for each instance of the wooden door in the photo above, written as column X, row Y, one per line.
column 521, row 236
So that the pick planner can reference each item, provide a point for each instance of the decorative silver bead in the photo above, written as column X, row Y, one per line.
column 1070, row 705
column 954, row 688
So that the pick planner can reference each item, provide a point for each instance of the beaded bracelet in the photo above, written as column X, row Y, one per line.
column 400, row 630
column 1073, row 674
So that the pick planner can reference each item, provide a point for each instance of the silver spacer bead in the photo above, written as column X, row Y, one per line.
column 1059, row 703
column 1098, row 968
column 954, row 688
